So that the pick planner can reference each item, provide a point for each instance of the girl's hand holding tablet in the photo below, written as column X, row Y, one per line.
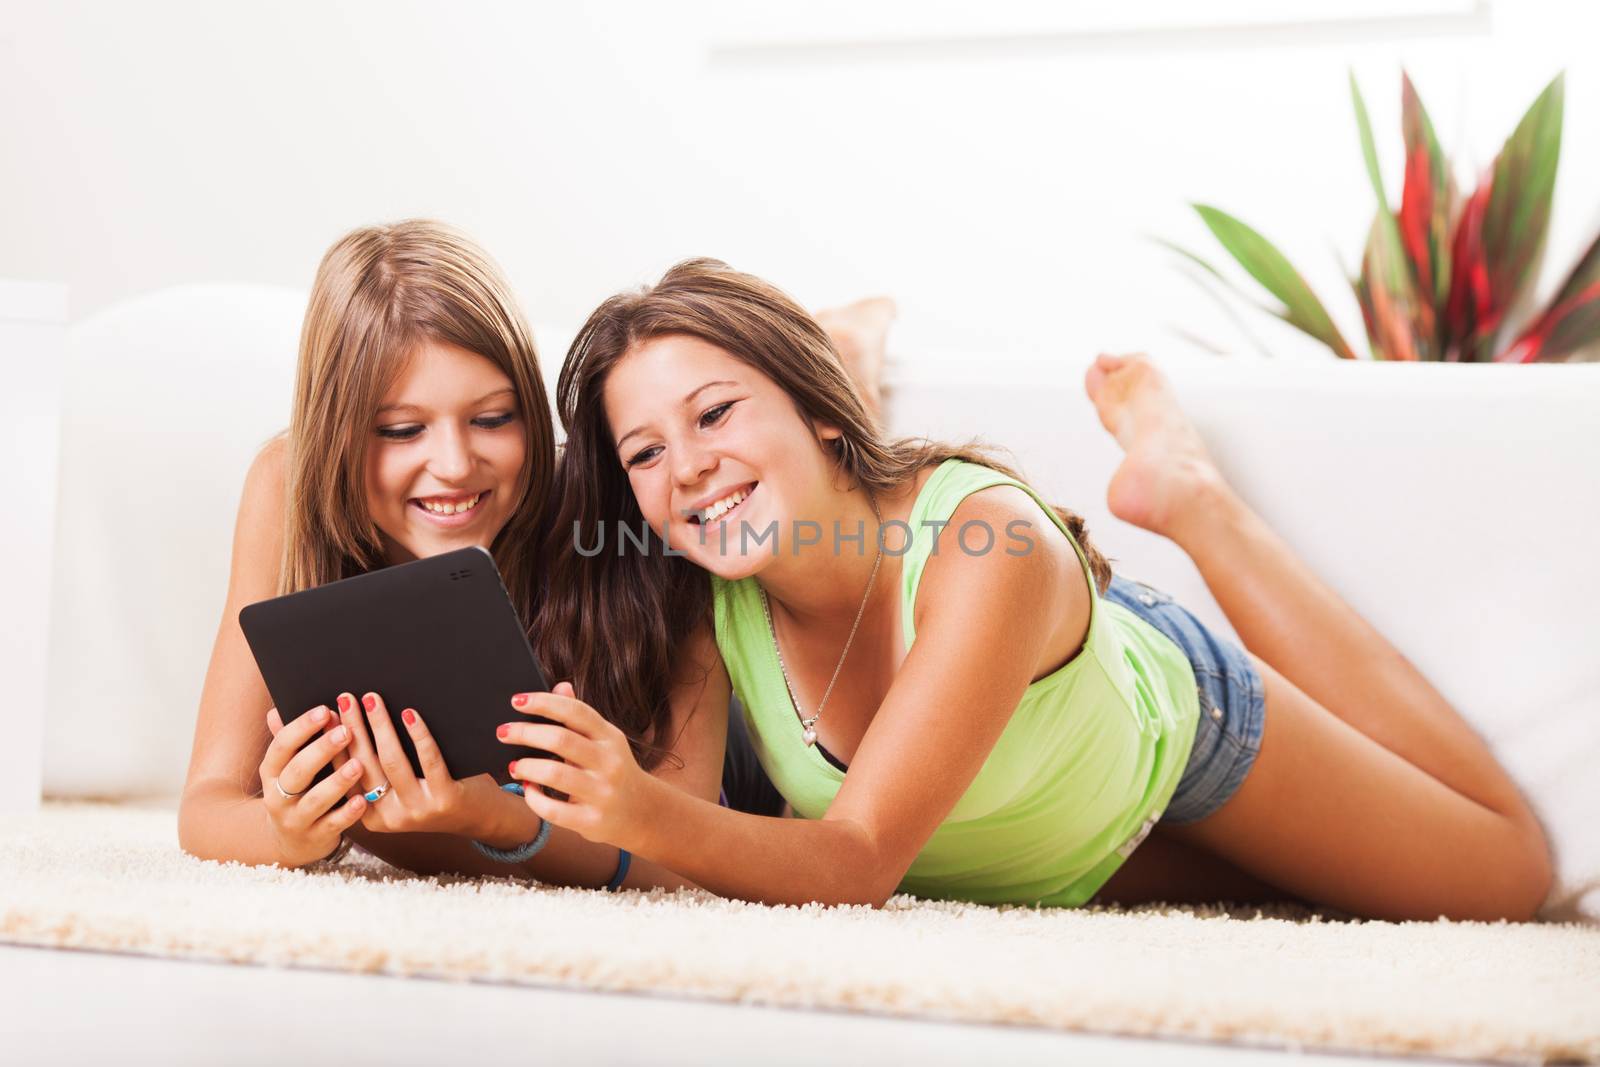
column 473, row 807
column 608, row 794
column 304, row 821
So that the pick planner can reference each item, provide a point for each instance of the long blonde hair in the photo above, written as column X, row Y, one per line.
column 378, row 292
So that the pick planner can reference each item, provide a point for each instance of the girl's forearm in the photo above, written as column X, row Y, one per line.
column 764, row 859
column 558, row 863
column 219, row 822
column 567, row 860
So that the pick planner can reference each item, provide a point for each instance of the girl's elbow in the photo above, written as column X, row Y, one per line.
column 879, row 882
column 882, row 891
column 190, row 834
column 198, row 812
column 870, row 895
column 851, row 897
column 874, row 877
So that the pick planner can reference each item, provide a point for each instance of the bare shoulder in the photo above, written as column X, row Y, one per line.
column 259, row 529
column 1003, row 530
column 1001, row 547
column 998, row 533
column 267, row 480
column 230, row 734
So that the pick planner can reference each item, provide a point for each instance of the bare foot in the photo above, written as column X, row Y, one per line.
column 1167, row 472
column 860, row 331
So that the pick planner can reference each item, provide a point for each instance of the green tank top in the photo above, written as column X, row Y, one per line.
column 1084, row 767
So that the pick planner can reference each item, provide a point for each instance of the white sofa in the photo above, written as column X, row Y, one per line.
column 1456, row 507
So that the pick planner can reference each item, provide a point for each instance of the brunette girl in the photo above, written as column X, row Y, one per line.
column 941, row 674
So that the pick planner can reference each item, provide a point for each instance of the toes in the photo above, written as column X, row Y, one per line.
column 1095, row 378
column 865, row 322
column 882, row 310
column 1102, row 370
column 1110, row 363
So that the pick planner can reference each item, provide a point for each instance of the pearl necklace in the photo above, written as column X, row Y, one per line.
column 808, row 727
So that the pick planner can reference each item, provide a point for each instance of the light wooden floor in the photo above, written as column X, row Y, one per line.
column 62, row 1007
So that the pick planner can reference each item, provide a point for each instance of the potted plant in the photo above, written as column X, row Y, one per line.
column 1442, row 277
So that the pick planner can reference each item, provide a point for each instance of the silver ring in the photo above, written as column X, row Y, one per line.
column 284, row 793
column 378, row 793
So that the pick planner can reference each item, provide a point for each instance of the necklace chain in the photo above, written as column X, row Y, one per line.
column 808, row 727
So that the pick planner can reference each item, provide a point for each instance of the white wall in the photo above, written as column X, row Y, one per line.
column 998, row 187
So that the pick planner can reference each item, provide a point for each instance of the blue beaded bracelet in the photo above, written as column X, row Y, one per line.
column 521, row 852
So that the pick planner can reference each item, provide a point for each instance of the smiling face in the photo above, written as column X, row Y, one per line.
column 446, row 453
column 716, row 448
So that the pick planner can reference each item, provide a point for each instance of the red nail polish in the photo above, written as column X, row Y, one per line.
column 520, row 699
column 409, row 716
column 369, row 701
column 511, row 768
column 344, row 702
column 502, row 731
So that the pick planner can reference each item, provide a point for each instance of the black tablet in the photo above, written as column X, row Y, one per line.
column 439, row 635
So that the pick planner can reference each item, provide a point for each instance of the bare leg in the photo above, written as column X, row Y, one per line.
column 1281, row 611
column 859, row 332
column 1334, row 817
column 1330, row 659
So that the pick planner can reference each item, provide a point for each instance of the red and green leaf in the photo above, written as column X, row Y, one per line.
column 1216, row 275
column 1576, row 332
column 1426, row 202
column 1222, row 289
column 1517, row 216
column 1267, row 265
column 1571, row 323
column 1389, row 301
column 1471, row 301
column 1399, row 316
column 1369, row 153
column 1433, row 289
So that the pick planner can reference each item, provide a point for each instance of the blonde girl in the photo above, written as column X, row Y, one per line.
column 420, row 424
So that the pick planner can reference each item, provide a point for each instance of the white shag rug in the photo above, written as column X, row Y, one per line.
column 112, row 878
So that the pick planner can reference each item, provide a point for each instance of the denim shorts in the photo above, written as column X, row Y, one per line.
column 1233, row 705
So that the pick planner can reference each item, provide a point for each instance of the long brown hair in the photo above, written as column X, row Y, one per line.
column 378, row 292
column 619, row 621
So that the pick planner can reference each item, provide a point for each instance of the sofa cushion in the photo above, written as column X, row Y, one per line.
column 167, row 398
